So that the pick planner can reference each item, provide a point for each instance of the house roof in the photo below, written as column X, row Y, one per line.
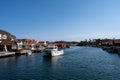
column 9, row 35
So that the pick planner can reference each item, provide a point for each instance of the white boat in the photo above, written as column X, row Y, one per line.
column 29, row 52
column 52, row 51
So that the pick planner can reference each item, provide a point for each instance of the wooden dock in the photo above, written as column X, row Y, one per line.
column 6, row 54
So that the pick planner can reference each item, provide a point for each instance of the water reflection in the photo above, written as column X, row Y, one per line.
column 52, row 60
column 5, row 61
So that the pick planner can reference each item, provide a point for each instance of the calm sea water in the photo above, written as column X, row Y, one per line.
column 78, row 63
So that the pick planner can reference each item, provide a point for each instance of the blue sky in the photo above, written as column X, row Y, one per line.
column 61, row 19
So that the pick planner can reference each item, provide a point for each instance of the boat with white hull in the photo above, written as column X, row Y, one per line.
column 52, row 51
column 29, row 52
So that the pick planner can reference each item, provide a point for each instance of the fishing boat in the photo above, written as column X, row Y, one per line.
column 52, row 51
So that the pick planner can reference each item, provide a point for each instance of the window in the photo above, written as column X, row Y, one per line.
column 0, row 36
column 4, row 37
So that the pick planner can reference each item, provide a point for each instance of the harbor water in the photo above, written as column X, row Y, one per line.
column 77, row 63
